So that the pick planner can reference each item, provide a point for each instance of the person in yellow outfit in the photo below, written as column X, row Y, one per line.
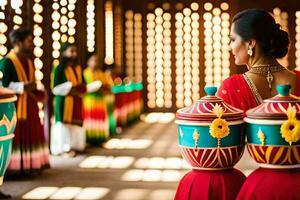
column 95, row 116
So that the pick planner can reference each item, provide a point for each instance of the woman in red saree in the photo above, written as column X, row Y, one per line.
column 257, row 41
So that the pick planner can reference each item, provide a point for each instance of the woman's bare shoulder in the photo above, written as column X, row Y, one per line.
column 289, row 74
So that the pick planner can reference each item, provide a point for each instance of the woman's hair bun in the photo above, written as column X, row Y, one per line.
column 280, row 43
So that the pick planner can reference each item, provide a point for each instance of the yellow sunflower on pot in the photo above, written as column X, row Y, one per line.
column 290, row 129
column 219, row 127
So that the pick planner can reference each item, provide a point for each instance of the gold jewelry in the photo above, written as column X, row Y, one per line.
column 250, row 52
column 266, row 71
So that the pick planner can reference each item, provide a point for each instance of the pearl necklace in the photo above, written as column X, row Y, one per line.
column 266, row 71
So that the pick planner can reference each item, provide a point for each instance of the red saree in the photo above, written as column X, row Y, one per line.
column 239, row 91
column 210, row 185
column 275, row 184
column 297, row 88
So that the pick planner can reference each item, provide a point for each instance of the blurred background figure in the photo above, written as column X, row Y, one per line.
column 96, row 120
column 30, row 150
column 67, row 134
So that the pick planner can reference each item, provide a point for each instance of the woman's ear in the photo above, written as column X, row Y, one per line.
column 252, row 43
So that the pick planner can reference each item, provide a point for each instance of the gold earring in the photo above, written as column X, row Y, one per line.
column 250, row 52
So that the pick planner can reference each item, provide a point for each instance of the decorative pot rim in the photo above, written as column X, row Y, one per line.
column 273, row 166
column 202, row 110
column 264, row 121
column 204, row 123
column 276, row 108
column 221, row 147
column 273, row 145
column 213, row 169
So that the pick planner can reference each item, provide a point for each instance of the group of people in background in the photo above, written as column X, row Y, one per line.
column 84, row 105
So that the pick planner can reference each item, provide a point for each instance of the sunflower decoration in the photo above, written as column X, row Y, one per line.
column 290, row 129
column 219, row 127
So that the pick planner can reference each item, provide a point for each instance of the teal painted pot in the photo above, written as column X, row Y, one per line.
column 273, row 131
column 211, row 133
column 8, row 120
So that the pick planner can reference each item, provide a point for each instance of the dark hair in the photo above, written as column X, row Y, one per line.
column 64, row 46
column 89, row 55
column 261, row 26
column 19, row 35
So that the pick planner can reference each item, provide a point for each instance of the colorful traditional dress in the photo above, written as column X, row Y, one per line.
column 95, row 121
column 30, row 150
column 241, row 92
column 263, row 183
column 210, row 185
column 121, row 102
column 110, row 103
column 67, row 133
column 297, row 90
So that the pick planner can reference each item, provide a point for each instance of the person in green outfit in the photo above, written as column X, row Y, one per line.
column 68, row 135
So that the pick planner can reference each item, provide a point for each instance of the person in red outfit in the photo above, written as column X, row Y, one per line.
column 257, row 42
column 30, row 152
column 210, row 185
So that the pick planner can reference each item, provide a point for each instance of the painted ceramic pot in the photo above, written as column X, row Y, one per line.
column 8, row 120
column 273, row 130
column 211, row 133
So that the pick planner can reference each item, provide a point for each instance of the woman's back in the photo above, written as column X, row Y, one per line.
column 279, row 78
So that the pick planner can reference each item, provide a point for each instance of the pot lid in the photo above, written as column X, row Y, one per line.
column 7, row 95
column 204, row 109
column 277, row 106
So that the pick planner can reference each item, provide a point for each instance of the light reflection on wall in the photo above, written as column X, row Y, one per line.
column 281, row 17
column 159, row 87
column 91, row 25
column 167, row 60
column 138, row 47
column 129, row 42
column 298, row 40
column 17, row 19
column 159, row 59
column 151, row 60
column 216, row 40
column 3, row 30
column 187, row 55
column 133, row 42
column 118, row 28
column 63, row 25
column 109, row 33
column 38, row 49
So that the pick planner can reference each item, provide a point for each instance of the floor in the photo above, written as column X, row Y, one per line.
column 142, row 163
